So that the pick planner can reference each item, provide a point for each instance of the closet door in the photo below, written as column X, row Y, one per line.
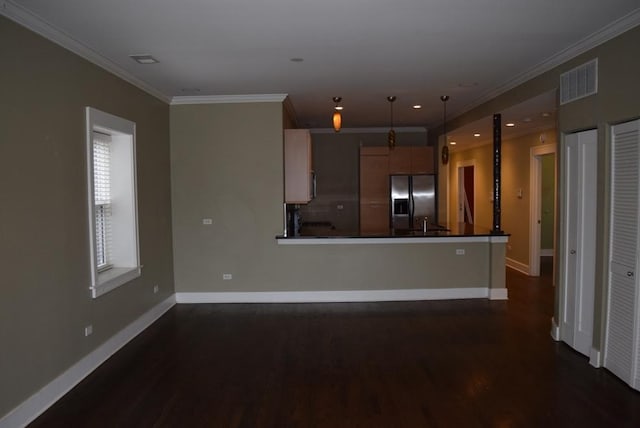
column 621, row 348
column 578, row 258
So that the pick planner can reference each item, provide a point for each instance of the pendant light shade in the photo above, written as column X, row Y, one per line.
column 392, row 134
column 337, row 116
column 337, row 121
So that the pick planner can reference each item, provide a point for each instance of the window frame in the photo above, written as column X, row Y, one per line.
column 125, row 264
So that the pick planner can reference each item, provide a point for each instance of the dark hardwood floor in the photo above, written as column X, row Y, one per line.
column 468, row 363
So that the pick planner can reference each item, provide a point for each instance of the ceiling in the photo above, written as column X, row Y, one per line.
column 534, row 115
column 361, row 50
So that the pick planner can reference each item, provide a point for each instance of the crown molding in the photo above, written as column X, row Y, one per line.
column 288, row 107
column 606, row 33
column 228, row 99
column 33, row 22
column 399, row 130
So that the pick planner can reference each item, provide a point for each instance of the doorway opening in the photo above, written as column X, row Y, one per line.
column 466, row 192
column 542, row 207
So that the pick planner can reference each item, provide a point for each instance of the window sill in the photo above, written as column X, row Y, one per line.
column 114, row 278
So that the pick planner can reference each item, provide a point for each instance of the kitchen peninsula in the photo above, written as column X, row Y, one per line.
column 461, row 262
column 345, row 238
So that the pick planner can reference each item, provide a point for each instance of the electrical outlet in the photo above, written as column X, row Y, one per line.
column 207, row 221
column 460, row 252
column 156, row 288
column 227, row 276
column 88, row 330
column 340, row 206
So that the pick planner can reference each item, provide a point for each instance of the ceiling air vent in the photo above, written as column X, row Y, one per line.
column 579, row 82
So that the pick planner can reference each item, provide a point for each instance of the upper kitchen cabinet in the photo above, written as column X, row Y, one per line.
column 422, row 160
column 411, row 160
column 298, row 170
column 400, row 160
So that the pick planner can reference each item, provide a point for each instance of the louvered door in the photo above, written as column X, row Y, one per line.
column 621, row 349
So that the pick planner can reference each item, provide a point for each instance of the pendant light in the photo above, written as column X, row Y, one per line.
column 445, row 147
column 392, row 133
column 337, row 116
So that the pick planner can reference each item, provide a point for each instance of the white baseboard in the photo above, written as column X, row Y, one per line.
column 595, row 358
column 498, row 294
column 520, row 267
column 548, row 252
column 555, row 330
column 35, row 405
column 334, row 296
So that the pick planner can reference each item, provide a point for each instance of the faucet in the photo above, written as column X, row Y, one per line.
column 424, row 224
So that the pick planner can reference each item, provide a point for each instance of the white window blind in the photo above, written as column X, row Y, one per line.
column 102, row 198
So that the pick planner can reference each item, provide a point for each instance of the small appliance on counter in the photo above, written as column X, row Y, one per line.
column 294, row 219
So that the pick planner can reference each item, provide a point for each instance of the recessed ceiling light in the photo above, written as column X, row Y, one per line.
column 546, row 114
column 338, row 108
column 476, row 134
column 296, row 59
column 453, row 143
column 417, row 106
column 526, row 120
column 144, row 59
column 510, row 125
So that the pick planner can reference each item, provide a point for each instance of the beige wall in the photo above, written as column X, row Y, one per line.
column 227, row 166
column 516, row 155
column 616, row 101
column 45, row 301
column 548, row 201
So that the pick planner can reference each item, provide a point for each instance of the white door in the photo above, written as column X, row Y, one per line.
column 621, row 344
column 580, row 165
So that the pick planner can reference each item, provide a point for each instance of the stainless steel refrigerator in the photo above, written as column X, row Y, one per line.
column 413, row 197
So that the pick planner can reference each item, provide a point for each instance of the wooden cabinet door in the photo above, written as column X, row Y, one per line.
column 400, row 160
column 374, row 218
column 374, row 179
column 374, row 190
column 411, row 160
column 422, row 160
column 297, row 166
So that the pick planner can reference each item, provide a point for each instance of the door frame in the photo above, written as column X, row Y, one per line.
column 460, row 165
column 535, row 204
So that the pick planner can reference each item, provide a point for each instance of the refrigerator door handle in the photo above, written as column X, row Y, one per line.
column 412, row 208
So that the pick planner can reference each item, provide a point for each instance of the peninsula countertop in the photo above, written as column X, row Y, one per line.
column 459, row 232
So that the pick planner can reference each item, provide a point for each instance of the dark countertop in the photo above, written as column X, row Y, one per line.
column 457, row 230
